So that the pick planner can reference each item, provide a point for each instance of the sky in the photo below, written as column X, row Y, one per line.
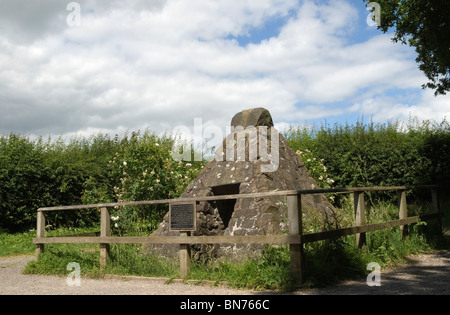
column 78, row 69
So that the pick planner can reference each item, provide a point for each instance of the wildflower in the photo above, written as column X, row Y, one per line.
column 188, row 164
column 157, row 181
column 152, row 172
column 124, row 163
column 157, row 144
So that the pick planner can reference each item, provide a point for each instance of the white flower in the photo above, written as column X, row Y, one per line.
column 116, row 225
column 124, row 163
column 157, row 144
column 188, row 164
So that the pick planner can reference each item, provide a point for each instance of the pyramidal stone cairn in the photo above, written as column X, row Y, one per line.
column 253, row 158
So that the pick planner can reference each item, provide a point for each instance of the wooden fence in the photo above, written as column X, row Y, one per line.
column 296, row 239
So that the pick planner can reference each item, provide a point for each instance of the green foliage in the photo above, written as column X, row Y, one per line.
column 38, row 173
column 424, row 25
column 144, row 170
column 301, row 139
column 16, row 244
column 21, row 175
column 368, row 154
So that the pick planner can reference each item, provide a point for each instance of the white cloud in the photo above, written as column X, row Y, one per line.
column 428, row 107
column 159, row 64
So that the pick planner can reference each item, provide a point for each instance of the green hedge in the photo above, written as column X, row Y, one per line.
column 369, row 154
column 38, row 173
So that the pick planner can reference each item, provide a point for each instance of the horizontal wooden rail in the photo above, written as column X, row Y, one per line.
column 320, row 236
column 246, row 239
column 235, row 196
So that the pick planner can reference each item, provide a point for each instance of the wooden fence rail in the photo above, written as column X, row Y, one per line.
column 296, row 239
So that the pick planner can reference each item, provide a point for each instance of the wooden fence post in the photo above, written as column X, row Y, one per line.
column 105, row 231
column 294, row 204
column 402, row 211
column 185, row 257
column 360, row 218
column 40, row 231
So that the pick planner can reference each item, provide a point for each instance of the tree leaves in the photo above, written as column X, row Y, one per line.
column 424, row 25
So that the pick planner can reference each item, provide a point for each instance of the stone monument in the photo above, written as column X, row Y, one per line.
column 254, row 157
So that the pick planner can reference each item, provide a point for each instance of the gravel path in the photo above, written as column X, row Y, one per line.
column 12, row 281
column 424, row 274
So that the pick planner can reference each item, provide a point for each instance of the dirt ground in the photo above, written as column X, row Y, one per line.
column 423, row 274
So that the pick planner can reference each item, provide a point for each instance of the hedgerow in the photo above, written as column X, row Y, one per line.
column 138, row 166
column 369, row 154
column 37, row 173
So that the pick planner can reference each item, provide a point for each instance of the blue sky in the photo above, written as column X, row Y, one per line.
column 160, row 64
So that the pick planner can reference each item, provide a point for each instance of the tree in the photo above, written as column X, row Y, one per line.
column 425, row 25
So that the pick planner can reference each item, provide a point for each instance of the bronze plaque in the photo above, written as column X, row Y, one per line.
column 182, row 217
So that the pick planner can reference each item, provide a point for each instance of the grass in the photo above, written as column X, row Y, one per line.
column 327, row 262
column 271, row 271
column 16, row 244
